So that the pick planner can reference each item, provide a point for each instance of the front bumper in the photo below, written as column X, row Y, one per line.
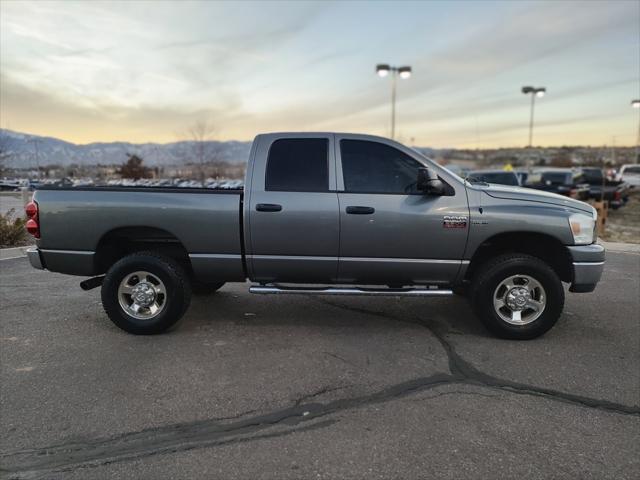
column 588, row 264
column 33, row 254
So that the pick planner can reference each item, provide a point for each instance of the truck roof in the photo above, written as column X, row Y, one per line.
column 344, row 134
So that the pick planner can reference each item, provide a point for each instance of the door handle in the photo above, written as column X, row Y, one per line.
column 268, row 207
column 360, row 210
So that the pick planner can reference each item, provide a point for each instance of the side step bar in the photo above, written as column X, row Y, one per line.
column 406, row 292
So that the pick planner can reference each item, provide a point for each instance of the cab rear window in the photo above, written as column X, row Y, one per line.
column 298, row 165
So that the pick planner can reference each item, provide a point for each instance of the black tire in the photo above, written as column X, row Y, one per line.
column 175, row 302
column 199, row 288
column 500, row 268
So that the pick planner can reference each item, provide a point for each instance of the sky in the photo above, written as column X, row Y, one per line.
column 147, row 71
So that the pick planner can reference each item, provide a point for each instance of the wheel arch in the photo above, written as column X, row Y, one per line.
column 121, row 241
column 542, row 246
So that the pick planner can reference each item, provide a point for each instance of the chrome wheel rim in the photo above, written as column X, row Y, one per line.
column 142, row 295
column 519, row 299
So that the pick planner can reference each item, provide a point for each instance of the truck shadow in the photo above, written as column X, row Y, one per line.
column 242, row 308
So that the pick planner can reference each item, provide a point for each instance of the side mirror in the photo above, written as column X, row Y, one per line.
column 429, row 183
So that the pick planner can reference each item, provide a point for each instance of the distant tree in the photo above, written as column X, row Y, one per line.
column 205, row 150
column 134, row 169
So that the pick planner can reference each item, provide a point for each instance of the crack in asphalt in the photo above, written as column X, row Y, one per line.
column 453, row 392
column 319, row 392
column 463, row 371
column 35, row 462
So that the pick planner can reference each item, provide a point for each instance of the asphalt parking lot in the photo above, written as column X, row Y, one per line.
column 281, row 387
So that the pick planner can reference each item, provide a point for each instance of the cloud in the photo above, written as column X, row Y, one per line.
column 527, row 35
column 129, row 71
column 42, row 113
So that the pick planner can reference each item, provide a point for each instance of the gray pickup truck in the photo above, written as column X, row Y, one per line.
column 325, row 214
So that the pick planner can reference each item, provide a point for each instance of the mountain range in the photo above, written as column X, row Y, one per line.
column 21, row 150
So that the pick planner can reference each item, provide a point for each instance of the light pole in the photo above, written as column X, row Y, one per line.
column 35, row 148
column 636, row 104
column 383, row 70
column 535, row 92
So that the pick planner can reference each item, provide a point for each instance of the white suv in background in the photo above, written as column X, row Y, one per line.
column 630, row 173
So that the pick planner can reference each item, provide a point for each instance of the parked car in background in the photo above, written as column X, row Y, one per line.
column 9, row 184
column 500, row 177
column 564, row 181
column 630, row 174
column 523, row 176
column 600, row 188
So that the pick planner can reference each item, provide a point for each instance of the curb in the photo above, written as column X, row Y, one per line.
column 15, row 252
column 620, row 247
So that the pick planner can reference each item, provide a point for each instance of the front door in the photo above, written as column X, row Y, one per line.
column 293, row 208
column 391, row 233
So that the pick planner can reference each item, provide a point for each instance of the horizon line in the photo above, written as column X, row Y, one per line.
column 524, row 147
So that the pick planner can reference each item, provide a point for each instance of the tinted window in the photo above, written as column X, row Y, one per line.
column 592, row 174
column 555, row 178
column 632, row 170
column 579, row 178
column 298, row 165
column 371, row 167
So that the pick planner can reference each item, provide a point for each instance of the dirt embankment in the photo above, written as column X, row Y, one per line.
column 623, row 225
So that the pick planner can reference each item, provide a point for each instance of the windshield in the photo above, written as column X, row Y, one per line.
column 448, row 170
column 456, row 171
column 502, row 178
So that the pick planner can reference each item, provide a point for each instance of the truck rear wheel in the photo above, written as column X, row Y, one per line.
column 517, row 296
column 145, row 293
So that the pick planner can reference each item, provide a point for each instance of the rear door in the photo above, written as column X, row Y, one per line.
column 293, row 223
column 391, row 233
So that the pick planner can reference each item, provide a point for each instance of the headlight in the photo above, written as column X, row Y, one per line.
column 582, row 227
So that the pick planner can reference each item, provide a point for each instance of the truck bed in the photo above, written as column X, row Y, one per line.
column 76, row 222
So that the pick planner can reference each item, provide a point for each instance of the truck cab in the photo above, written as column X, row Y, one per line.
column 343, row 208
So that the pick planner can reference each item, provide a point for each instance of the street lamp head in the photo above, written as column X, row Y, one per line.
column 538, row 92
column 383, row 69
column 635, row 103
column 405, row 72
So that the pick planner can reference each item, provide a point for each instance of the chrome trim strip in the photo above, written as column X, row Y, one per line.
column 359, row 259
column 588, row 263
column 399, row 260
column 221, row 256
column 68, row 252
column 292, row 257
column 412, row 292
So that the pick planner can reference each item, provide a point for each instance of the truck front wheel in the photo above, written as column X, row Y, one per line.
column 145, row 293
column 517, row 296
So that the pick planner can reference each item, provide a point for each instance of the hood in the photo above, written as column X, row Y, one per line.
column 532, row 195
